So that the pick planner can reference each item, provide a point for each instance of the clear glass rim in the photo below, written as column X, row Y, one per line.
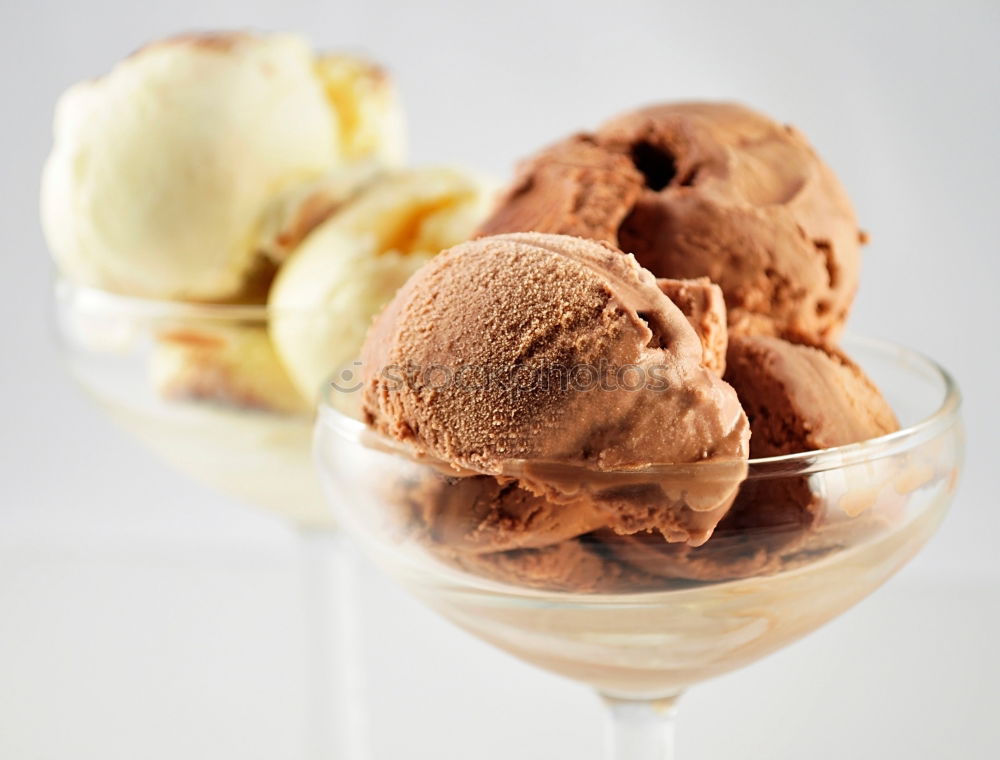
column 162, row 308
column 941, row 419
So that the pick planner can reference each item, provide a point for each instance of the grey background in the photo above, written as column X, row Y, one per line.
column 900, row 97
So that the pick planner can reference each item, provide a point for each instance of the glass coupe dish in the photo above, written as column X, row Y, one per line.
column 655, row 629
column 200, row 385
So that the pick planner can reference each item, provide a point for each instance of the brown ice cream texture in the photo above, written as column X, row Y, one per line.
column 705, row 189
column 503, row 357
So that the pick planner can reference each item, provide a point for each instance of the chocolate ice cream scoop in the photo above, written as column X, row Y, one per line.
column 575, row 187
column 801, row 397
column 705, row 189
column 553, row 360
column 579, row 565
column 481, row 514
column 798, row 398
column 702, row 303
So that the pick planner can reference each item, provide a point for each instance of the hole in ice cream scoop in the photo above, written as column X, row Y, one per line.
column 657, row 339
column 655, row 164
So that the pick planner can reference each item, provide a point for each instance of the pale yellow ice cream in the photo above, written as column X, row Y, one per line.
column 292, row 215
column 234, row 362
column 164, row 170
column 233, row 365
column 331, row 287
column 371, row 121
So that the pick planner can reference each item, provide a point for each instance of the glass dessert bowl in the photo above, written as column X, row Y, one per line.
column 201, row 387
column 635, row 618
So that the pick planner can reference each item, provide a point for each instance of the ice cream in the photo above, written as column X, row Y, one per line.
column 348, row 268
column 371, row 124
column 798, row 398
column 163, row 171
column 801, row 398
column 479, row 514
column 378, row 229
column 705, row 189
column 575, row 187
column 552, row 359
column 227, row 364
column 497, row 528
column 702, row 303
column 188, row 175
column 577, row 565
column 291, row 216
column 200, row 164
column 234, row 362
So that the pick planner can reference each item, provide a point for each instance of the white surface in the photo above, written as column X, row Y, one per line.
column 171, row 652
column 139, row 617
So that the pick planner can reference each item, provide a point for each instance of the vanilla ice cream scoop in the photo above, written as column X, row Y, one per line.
column 233, row 365
column 163, row 170
column 371, row 120
column 348, row 268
